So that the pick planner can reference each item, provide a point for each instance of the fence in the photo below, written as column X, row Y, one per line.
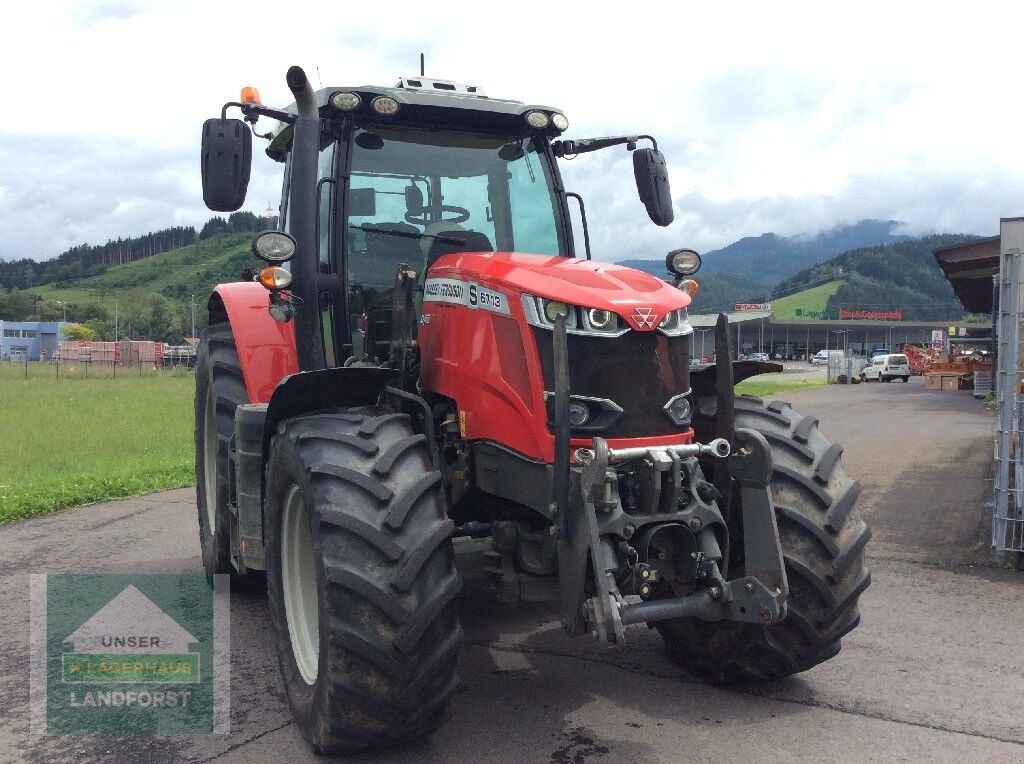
column 843, row 368
column 74, row 359
column 1008, row 514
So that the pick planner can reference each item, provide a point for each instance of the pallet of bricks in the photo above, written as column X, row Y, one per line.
column 141, row 353
column 87, row 352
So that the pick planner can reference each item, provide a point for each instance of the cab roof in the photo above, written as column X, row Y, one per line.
column 453, row 107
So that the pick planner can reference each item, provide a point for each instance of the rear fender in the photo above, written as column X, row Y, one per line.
column 266, row 348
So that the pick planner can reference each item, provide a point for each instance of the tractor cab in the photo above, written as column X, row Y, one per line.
column 406, row 175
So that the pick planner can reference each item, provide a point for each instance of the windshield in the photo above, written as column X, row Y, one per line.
column 415, row 195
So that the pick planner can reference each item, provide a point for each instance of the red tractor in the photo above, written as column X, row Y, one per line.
column 427, row 382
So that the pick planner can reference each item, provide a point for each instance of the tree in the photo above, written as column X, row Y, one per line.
column 215, row 226
column 79, row 332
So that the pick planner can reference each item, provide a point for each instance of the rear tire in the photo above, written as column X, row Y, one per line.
column 220, row 389
column 823, row 540
column 387, row 633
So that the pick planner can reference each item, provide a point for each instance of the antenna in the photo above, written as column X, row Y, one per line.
column 423, row 71
column 319, row 81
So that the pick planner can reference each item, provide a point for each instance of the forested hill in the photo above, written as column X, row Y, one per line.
column 87, row 260
column 902, row 276
column 771, row 258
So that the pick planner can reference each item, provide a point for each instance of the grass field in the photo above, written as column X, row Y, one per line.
column 75, row 440
column 814, row 300
column 81, row 439
column 773, row 385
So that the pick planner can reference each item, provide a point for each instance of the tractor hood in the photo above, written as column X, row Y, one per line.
column 586, row 283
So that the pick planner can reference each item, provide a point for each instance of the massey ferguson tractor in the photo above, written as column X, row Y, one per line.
column 428, row 382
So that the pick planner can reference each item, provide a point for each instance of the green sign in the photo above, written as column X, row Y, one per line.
column 129, row 654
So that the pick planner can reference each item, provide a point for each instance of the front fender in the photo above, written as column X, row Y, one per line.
column 704, row 382
column 266, row 348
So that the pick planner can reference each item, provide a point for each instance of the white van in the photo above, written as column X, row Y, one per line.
column 884, row 368
column 821, row 358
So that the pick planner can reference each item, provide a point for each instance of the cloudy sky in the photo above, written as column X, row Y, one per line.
column 783, row 117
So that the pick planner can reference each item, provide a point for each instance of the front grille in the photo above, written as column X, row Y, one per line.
column 639, row 371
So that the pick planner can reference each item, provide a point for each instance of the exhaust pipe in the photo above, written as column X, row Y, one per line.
column 302, row 216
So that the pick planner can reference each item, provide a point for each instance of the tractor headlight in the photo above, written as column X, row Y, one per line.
column 273, row 246
column 601, row 319
column 674, row 324
column 560, row 121
column 683, row 262
column 386, row 106
column 346, row 101
column 679, row 409
column 554, row 309
column 579, row 413
column 538, row 120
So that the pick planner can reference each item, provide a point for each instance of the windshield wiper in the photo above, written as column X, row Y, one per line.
column 409, row 234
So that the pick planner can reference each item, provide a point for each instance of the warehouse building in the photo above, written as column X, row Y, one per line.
column 30, row 340
column 761, row 332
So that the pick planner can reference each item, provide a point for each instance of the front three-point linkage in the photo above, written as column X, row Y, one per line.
column 759, row 596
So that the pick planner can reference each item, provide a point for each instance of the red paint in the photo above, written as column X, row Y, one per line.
column 469, row 357
column 266, row 348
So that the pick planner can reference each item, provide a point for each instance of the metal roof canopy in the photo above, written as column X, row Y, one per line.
column 707, row 320
column 970, row 269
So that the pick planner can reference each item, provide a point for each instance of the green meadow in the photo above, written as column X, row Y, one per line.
column 77, row 440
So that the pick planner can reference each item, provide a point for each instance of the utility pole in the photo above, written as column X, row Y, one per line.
column 193, row 315
column 115, row 319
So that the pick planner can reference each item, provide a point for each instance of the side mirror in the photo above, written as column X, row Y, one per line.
column 226, row 160
column 651, row 175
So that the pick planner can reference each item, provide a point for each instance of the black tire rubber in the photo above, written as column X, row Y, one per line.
column 217, row 367
column 389, row 631
column 823, row 540
column 905, row 379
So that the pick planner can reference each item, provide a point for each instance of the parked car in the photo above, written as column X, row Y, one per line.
column 885, row 368
column 758, row 357
column 821, row 358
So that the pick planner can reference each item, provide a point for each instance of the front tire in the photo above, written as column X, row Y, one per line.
column 220, row 389
column 355, row 519
column 823, row 540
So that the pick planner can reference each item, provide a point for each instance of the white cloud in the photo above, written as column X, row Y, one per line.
column 783, row 117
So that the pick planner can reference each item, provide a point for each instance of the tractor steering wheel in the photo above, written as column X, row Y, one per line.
column 461, row 215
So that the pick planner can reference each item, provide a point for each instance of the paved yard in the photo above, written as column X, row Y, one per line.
column 933, row 673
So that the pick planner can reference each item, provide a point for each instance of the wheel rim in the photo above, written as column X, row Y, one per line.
column 298, row 579
column 210, row 447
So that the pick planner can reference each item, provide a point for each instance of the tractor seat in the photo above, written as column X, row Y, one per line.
column 387, row 246
column 469, row 241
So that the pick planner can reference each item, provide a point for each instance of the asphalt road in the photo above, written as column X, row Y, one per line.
column 933, row 673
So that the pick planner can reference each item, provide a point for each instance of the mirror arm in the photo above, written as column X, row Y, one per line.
column 570, row 149
column 253, row 112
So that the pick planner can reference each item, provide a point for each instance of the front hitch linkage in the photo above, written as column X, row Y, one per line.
column 758, row 597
